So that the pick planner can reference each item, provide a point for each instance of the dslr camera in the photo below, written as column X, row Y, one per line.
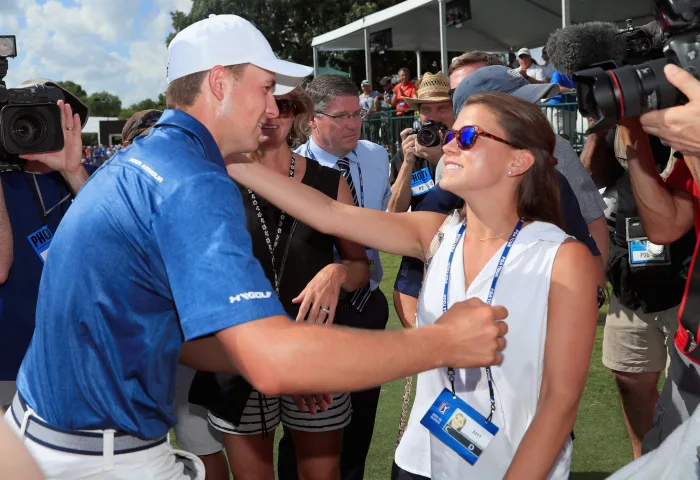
column 430, row 133
column 608, row 92
column 30, row 120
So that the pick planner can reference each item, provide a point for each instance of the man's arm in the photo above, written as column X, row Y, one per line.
column 15, row 461
column 599, row 231
column 666, row 214
column 6, row 243
column 406, row 307
column 599, row 161
column 401, row 189
column 271, row 352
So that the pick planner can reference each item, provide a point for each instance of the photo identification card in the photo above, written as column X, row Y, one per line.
column 421, row 182
column 41, row 241
column 460, row 427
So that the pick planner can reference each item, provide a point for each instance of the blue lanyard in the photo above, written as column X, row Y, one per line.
column 489, row 299
column 310, row 154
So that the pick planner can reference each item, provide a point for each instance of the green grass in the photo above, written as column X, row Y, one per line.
column 601, row 447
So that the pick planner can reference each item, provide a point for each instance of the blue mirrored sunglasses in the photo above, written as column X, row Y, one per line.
column 467, row 135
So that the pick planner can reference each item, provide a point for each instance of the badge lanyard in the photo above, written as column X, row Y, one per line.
column 39, row 199
column 496, row 276
column 310, row 154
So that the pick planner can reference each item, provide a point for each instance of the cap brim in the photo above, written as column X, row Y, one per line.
column 415, row 103
column 289, row 75
column 535, row 92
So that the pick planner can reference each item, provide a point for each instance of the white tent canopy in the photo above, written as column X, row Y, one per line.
column 496, row 25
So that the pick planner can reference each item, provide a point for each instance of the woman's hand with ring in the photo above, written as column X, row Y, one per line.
column 319, row 298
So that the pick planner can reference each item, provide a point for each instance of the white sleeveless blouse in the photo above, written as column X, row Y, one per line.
column 523, row 288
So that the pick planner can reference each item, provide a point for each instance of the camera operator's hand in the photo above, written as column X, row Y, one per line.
column 431, row 154
column 408, row 145
column 678, row 127
column 66, row 160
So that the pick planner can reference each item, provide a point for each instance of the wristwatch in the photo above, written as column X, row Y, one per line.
column 601, row 297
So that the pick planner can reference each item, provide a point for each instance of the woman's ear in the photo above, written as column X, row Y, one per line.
column 520, row 163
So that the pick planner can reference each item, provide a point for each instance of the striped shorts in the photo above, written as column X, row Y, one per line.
column 283, row 408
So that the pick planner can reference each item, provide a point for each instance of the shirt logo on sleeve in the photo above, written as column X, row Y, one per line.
column 249, row 296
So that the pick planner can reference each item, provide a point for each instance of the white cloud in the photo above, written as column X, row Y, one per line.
column 102, row 45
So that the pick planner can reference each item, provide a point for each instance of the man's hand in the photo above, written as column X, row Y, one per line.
column 408, row 145
column 475, row 334
column 431, row 154
column 66, row 160
column 678, row 127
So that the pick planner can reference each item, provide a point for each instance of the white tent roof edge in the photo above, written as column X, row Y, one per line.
column 369, row 21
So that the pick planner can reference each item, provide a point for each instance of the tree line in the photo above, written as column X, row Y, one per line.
column 289, row 26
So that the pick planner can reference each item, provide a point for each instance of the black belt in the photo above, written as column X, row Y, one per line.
column 76, row 441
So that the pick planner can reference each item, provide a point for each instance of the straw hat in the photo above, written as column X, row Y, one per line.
column 433, row 89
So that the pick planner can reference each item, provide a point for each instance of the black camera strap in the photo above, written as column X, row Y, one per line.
column 39, row 199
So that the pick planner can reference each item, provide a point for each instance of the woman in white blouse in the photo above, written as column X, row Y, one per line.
column 499, row 160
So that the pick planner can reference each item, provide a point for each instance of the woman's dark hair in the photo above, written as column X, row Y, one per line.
column 527, row 127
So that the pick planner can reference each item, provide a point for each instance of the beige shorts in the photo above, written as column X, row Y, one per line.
column 637, row 342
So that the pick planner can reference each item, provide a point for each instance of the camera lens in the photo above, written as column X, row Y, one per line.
column 428, row 137
column 643, row 88
column 28, row 130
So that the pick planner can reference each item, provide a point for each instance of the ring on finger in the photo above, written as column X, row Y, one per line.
column 69, row 129
column 326, row 310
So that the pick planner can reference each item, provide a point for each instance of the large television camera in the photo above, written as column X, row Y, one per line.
column 30, row 120
column 608, row 92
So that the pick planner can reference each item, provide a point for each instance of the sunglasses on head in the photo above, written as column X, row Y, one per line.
column 467, row 135
column 288, row 108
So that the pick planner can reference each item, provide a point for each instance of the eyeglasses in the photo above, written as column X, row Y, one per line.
column 467, row 135
column 360, row 114
column 288, row 108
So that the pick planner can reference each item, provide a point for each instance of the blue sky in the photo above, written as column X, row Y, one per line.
column 112, row 45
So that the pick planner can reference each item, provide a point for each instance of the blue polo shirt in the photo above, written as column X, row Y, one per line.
column 153, row 252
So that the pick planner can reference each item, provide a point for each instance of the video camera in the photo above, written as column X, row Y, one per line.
column 608, row 92
column 30, row 120
column 428, row 134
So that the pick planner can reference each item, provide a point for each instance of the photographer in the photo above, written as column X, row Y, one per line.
column 32, row 204
column 413, row 167
column 647, row 287
column 668, row 210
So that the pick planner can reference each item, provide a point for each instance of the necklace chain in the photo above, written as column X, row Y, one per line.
column 272, row 246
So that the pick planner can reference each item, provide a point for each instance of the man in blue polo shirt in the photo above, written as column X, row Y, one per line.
column 32, row 203
column 154, row 253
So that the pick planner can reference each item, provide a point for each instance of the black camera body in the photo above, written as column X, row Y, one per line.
column 429, row 134
column 30, row 119
column 608, row 92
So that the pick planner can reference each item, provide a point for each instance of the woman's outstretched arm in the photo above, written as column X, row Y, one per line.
column 407, row 234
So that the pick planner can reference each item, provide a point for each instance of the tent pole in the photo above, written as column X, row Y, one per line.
column 565, row 13
column 418, row 65
column 443, row 36
column 315, row 61
column 368, row 59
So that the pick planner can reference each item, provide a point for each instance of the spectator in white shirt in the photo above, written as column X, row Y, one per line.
column 367, row 97
column 548, row 67
column 532, row 72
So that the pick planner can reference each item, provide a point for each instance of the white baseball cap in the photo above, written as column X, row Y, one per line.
column 524, row 51
column 229, row 40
